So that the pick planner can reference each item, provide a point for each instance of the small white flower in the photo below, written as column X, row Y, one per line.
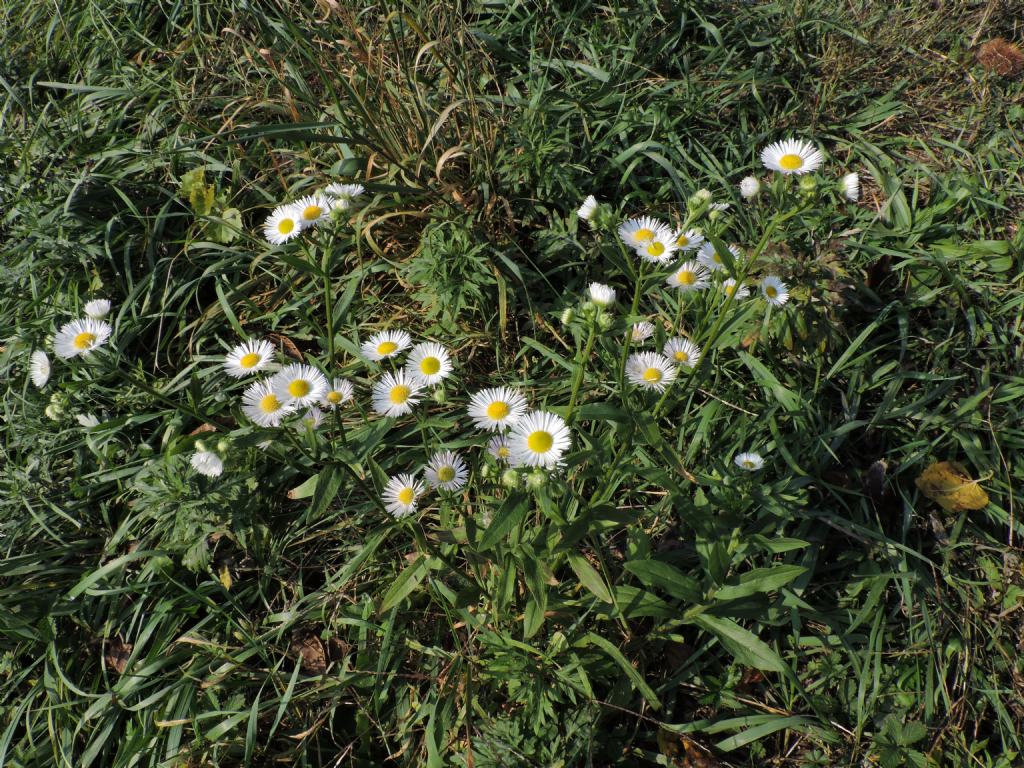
column 87, row 420
column 497, row 446
column 496, row 408
column 749, row 461
column 429, row 362
column 641, row 332
column 261, row 404
column 650, row 370
column 39, row 368
column 738, row 291
column 682, row 352
column 712, row 259
column 774, row 291
column 446, row 470
column 539, row 440
column 400, row 495
column 586, row 211
column 720, row 207
column 339, row 393
column 97, row 309
column 386, row 344
column 248, row 357
column 640, row 231
column 851, row 186
column 80, row 337
column 396, row 393
column 300, row 384
column 792, row 156
column 689, row 240
column 314, row 209
column 690, row 276
column 312, row 419
column 750, row 187
column 344, row 192
column 207, row 463
column 658, row 249
column 602, row 295
column 282, row 225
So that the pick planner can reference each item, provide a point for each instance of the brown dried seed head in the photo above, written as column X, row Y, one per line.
column 1001, row 56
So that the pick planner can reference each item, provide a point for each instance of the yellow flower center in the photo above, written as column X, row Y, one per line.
column 84, row 340
column 430, row 365
column 285, row 226
column 655, row 249
column 682, row 241
column 334, row 398
column 770, row 291
column 652, row 375
column 399, row 394
column 503, row 451
column 681, row 356
column 312, row 212
column 748, row 464
column 540, row 441
column 717, row 258
column 298, row 388
column 406, row 495
column 643, row 235
column 386, row 348
column 497, row 410
column 249, row 359
column 686, row 277
column 791, row 162
column 446, row 474
column 730, row 289
column 270, row 403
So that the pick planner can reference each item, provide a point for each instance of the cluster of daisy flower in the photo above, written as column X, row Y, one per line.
column 288, row 221
column 78, row 338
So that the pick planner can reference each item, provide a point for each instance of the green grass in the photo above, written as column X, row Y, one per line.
column 647, row 605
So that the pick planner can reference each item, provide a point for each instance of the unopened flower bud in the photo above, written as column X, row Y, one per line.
column 510, row 478
column 537, row 479
column 568, row 315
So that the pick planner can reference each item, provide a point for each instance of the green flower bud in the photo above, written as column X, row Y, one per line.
column 201, row 446
column 440, row 396
column 605, row 321
column 510, row 478
column 808, row 185
column 223, row 446
column 538, row 478
column 568, row 315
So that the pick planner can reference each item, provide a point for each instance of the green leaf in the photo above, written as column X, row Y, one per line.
column 406, row 582
column 508, row 516
column 654, row 573
column 744, row 645
column 590, row 578
column 641, row 685
column 759, row 581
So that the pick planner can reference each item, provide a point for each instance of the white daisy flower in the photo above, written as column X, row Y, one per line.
column 261, row 404
column 749, row 461
column 658, row 249
column 650, row 370
column 386, row 344
column 97, row 309
column 396, row 393
column 39, row 368
column 689, row 240
column 80, row 337
column 774, row 291
column 282, row 225
column 792, row 156
column 400, row 495
column 344, row 192
column 538, row 440
column 641, row 332
column 586, row 211
column 312, row 419
column 446, row 470
column 720, row 207
column 738, row 291
column 429, row 362
column 301, row 385
column 602, row 295
column 314, row 209
column 682, row 352
column 690, row 276
column 207, row 463
column 750, row 187
column 497, row 408
column 851, row 187
column 639, row 231
column 498, row 447
column 339, row 393
column 248, row 357
column 712, row 259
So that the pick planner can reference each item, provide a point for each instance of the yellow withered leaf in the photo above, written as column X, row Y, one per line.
column 225, row 576
column 949, row 484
